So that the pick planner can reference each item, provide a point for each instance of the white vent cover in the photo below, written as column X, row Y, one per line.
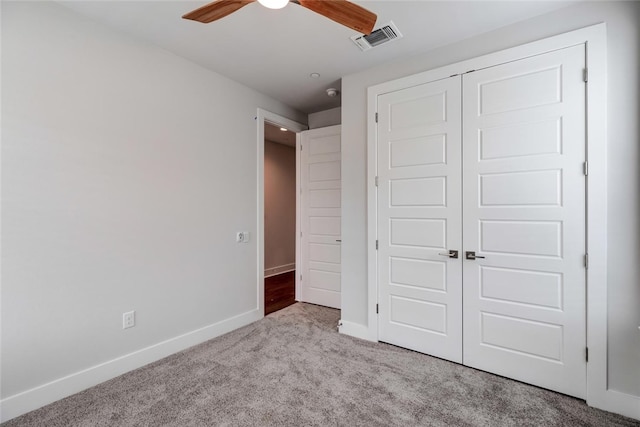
column 380, row 36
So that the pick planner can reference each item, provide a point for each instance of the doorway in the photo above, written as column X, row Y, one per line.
column 279, row 217
column 276, row 269
column 317, row 191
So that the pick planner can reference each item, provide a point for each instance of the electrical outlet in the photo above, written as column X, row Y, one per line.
column 128, row 319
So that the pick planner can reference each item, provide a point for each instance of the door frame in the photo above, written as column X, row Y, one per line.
column 594, row 39
column 262, row 117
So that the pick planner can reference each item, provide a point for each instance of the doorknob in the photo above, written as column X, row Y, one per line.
column 450, row 254
column 472, row 255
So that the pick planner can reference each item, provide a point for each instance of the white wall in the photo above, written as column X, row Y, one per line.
column 623, row 46
column 325, row 118
column 126, row 172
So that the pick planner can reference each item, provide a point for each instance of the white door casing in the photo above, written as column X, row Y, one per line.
column 524, row 211
column 419, row 211
column 523, row 192
column 320, row 241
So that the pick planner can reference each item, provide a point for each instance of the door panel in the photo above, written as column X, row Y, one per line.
column 418, row 273
column 320, row 216
column 524, row 198
column 521, row 286
column 520, row 90
column 419, row 217
column 418, row 192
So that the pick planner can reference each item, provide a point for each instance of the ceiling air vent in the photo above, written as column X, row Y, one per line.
column 380, row 36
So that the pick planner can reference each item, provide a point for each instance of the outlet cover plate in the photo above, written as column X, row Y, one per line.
column 128, row 319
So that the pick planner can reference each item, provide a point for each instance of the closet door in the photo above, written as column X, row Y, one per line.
column 419, row 217
column 524, row 215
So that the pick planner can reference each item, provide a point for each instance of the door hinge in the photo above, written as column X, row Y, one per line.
column 377, row 309
column 301, row 234
column 376, row 181
column 586, row 354
column 376, row 245
column 300, row 147
column 586, row 261
column 376, row 117
column 301, row 277
column 585, row 75
column 586, row 168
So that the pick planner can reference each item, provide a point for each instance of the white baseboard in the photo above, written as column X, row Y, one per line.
column 37, row 397
column 355, row 330
column 273, row 271
column 618, row 402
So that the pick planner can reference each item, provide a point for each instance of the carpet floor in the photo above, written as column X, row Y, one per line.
column 293, row 369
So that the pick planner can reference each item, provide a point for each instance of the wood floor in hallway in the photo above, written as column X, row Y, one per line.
column 279, row 291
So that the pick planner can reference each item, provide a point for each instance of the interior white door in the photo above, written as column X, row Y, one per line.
column 419, row 217
column 320, row 163
column 524, row 213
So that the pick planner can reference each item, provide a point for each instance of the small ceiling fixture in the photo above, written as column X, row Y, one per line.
column 274, row 4
column 283, row 129
column 332, row 92
column 314, row 75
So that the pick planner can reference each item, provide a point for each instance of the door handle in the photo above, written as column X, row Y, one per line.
column 338, row 240
column 472, row 255
column 450, row 254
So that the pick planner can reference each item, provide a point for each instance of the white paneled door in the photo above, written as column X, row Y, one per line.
column 490, row 164
column 524, row 198
column 419, row 193
column 320, row 176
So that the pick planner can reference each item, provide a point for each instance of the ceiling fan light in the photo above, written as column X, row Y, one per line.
column 274, row 4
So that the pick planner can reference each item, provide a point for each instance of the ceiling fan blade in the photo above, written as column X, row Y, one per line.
column 343, row 12
column 216, row 10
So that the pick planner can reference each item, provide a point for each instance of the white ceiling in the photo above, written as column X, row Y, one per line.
column 274, row 51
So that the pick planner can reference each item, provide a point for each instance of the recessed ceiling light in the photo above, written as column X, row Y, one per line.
column 314, row 75
column 283, row 129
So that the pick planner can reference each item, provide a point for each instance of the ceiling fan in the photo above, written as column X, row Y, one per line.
column 341, row 11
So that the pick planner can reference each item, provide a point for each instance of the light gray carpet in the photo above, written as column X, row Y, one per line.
column 293, row 369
